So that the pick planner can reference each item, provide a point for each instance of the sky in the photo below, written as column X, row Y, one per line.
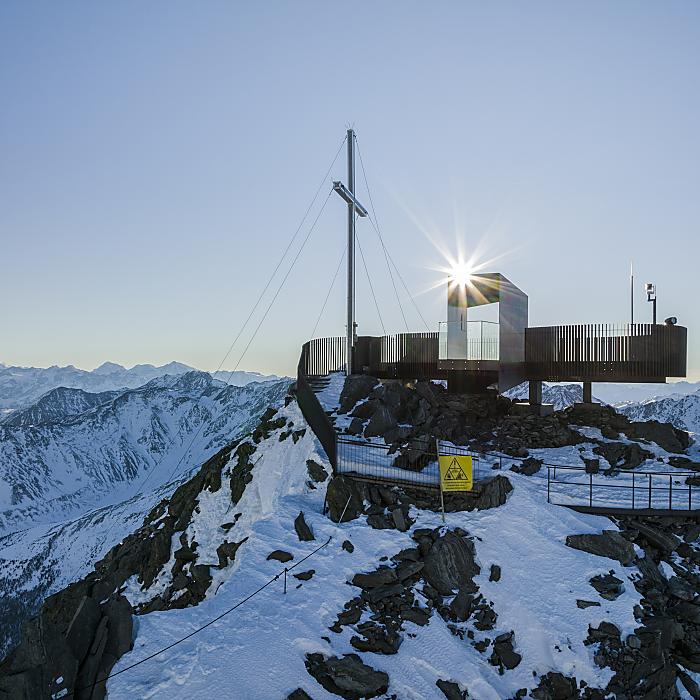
column 157, row 159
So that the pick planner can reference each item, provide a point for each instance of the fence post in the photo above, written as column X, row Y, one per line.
column 670, row 492
column 549, row 471
column 632, row 490
column 590, row 490
column 690, row 497
column 285, row 580
column 649, row 491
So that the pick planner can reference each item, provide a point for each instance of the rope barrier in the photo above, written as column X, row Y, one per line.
column 199, row 629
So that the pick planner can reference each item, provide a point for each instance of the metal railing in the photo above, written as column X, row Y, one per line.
column 473, row 340
column 398, row 356
column 626, row 490
column 604, row 352
column 377, row 462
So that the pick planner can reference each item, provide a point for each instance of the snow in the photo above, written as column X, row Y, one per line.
column 258, row 650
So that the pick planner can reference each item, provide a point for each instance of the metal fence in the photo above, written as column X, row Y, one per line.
column 413, row 466
column 604, row 352
column 626, row 490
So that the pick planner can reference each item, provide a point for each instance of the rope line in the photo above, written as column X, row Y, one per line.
column 171, row 440
column 262, row 320
column 199, row 629
column 387, row 256
column 371, row 286
column 381, row 239
column 330, row 289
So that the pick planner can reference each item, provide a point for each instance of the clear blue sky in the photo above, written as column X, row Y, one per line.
column 155, row 159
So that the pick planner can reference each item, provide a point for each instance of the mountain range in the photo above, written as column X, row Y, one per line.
column 73, row 449
column 23, row 386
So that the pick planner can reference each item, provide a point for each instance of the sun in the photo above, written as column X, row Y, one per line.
column 461, row 273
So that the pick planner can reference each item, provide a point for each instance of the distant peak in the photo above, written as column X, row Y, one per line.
column 108, row 368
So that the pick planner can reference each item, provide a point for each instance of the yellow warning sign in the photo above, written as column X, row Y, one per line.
column 456, row 473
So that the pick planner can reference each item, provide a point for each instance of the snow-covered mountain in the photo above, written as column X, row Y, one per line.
column 57, row 461
column 385, row 596
column 681, row 411
column 561, row 396
column 614, row 393
column 22, row 386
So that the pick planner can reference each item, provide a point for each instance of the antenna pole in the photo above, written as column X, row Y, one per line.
column 631, row 293
column 351, row 255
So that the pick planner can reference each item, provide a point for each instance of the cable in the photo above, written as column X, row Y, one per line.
column 381, row 240
column 171, row 440
column 369, row 279
column 257, row 328
column 330, row 289
column 199, row 629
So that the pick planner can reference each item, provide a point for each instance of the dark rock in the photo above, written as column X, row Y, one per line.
column 377, row 639
column 684, row 463
column 400, row 521
column 663, row 434
column 665, row 541
column 681, row 589
column 608, row 544
column 348, row 676
column 344, row 497
column 389, row 590
column 380, row 521
column 408, row 569
column 461, row 606
column 528, row 467
column 226, row 552
column 503, row 653
column 689, row 684
column 356, row 427
column 418, row 616
column 374, row 579
column 302, row 529
column 356, row 388
column 583, row 604
column 451, row 690
column 493, row 494
column 450, row 563
column 623, row 455
column 305, row 575
column 688, row 612
column 555, row 686
column 280, row 555
column 316, row 471
column 495, row 573
column 381, row 422
column 299, row 694
column 609, row 586
column 348, row 546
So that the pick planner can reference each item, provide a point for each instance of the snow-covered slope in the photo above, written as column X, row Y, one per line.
column 22, row 386
column 613, row 393
column 54, row 469
column 58, row 404
column 681, row 411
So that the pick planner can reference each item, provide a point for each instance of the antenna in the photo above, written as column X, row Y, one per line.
column 631, row 292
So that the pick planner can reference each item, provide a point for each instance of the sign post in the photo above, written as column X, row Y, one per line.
column 442, row 495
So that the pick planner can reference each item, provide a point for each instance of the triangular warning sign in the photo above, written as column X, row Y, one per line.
column 455, row 472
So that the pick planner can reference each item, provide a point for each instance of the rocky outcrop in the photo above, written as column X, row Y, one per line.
column 347, row 676
column 608, row 544
column 82, row 630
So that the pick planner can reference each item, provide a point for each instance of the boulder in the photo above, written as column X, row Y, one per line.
column 450, row 563
column 374, row 579
column 299, row 694
column 555, row 686
column 316, row 471
column 608, row 585
column 503, row 653
column 495, row 573
column 345, row 498
column 280, row 555
column 608, row 544
column 302, row 529
column 664, row 541
column 528, row 467
column 663, row 434
column 348, row 676
column 623, row 455
column 382, row 421
column 356, row 388
column 451, row 690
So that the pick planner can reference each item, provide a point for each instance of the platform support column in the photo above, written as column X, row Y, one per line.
column 587, row 392
column 535, row 393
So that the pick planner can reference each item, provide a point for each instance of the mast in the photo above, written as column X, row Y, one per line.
column 350, row 330
column 355, row 209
